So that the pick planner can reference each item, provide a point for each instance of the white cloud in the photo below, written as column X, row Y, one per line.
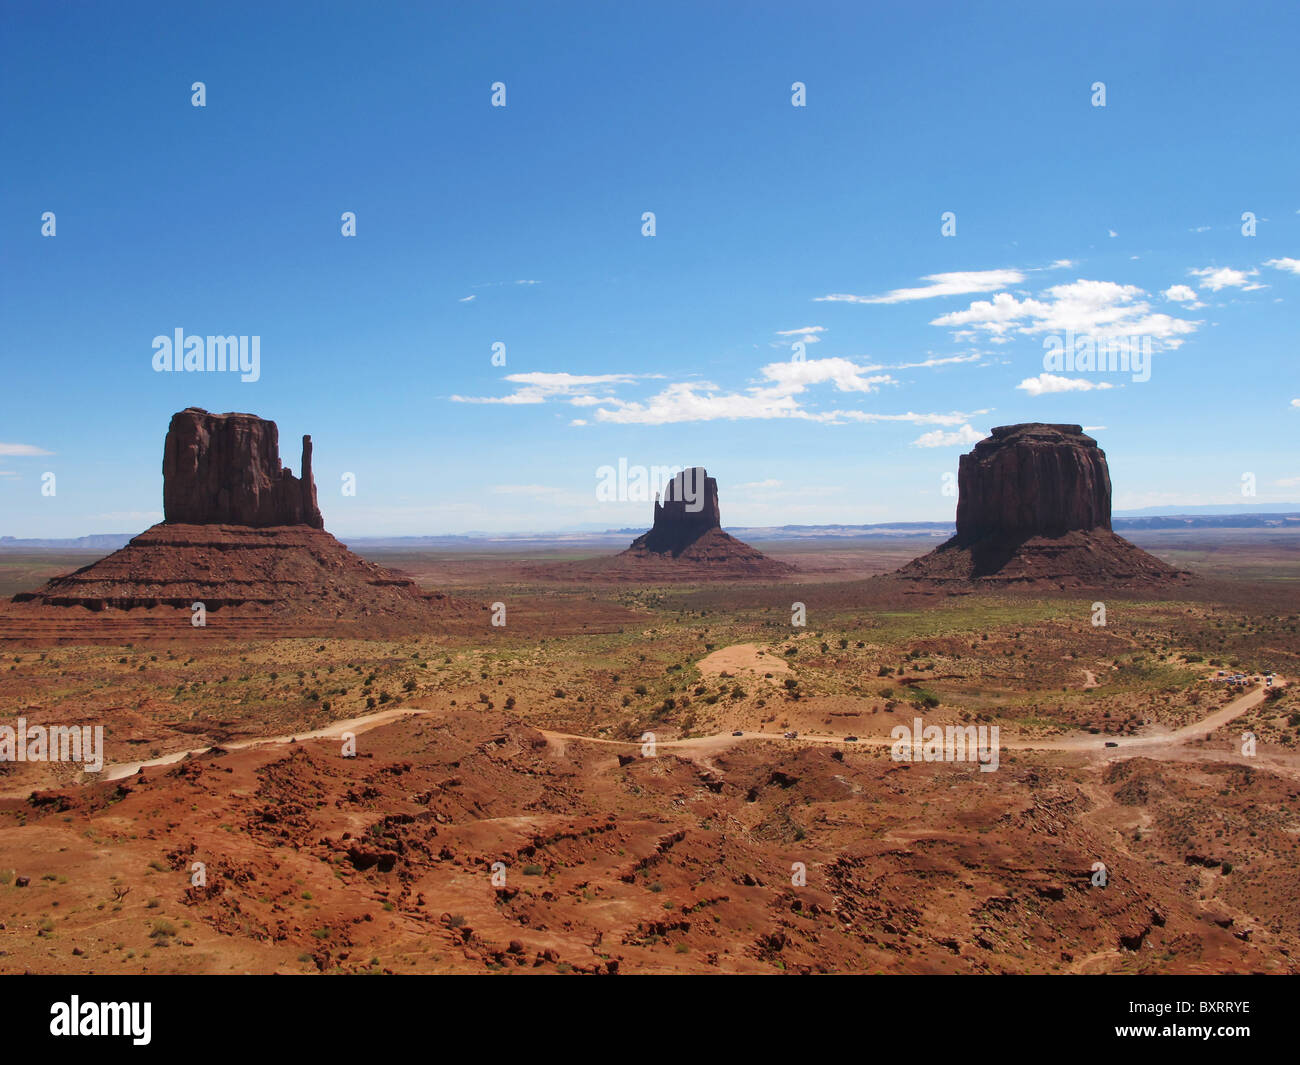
column 801, row 332
column 870, row 418
column 539, row 387
column 795, row 375
column 466, row 299
column 774, row 397
column 963, row 437
column 947, row 360
column 1290, row 265
column 1063, row 264
column 1295, row 403
column 1225, row 277
column 1047, row 383
column 959, row 283
column 1111, row 233
column 1096, row 308
column 23, row 449
column 689, row 402
column 1288, row 482
column 1199, row 229
column 778, row 393
column 1183, row 294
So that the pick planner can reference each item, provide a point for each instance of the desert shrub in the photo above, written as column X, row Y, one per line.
column 162, row 927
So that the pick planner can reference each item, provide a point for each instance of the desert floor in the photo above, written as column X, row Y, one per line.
column 504, row 810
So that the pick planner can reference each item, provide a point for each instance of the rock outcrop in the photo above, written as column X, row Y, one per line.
column 686, row 541
column 224, row 469
column 244, row 538
column 688, row 511
column 1033, row 507
column 1032, row 480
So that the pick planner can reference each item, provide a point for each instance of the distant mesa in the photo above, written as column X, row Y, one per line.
column 244, row 537
column 687, row 541
column 689, row 511
column 1033, row 507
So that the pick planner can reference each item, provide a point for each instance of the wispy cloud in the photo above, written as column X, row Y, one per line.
column 539, row 387
column 963, row 437
column 23, row 449
column 783, row 389
column 1218, row 278
column 958, row 283
column 1096, row 308
column 1047, row 383
column 1292, row 266
column 1183, row 294
column 775, row 396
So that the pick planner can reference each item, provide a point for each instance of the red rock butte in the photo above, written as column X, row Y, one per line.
column 224, row 469
column 686, row 541
column 243, row 536
column 1033, row 508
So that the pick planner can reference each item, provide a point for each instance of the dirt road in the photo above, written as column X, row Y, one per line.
column 1152, row 745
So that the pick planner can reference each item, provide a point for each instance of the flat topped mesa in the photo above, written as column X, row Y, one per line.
column 224, row 469
column 1033, row 508
column 1032, row 480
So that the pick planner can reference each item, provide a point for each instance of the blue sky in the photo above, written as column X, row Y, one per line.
column 523, row 225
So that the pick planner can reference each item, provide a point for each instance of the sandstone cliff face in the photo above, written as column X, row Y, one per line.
column 225, row 469
column 1034, row 509
column 689, row 510
column 1032, row 480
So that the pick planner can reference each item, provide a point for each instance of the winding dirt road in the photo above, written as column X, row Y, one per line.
column 706, row 746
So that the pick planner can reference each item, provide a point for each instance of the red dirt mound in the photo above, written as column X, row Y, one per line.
column 1075, row 560
column 284, row 573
